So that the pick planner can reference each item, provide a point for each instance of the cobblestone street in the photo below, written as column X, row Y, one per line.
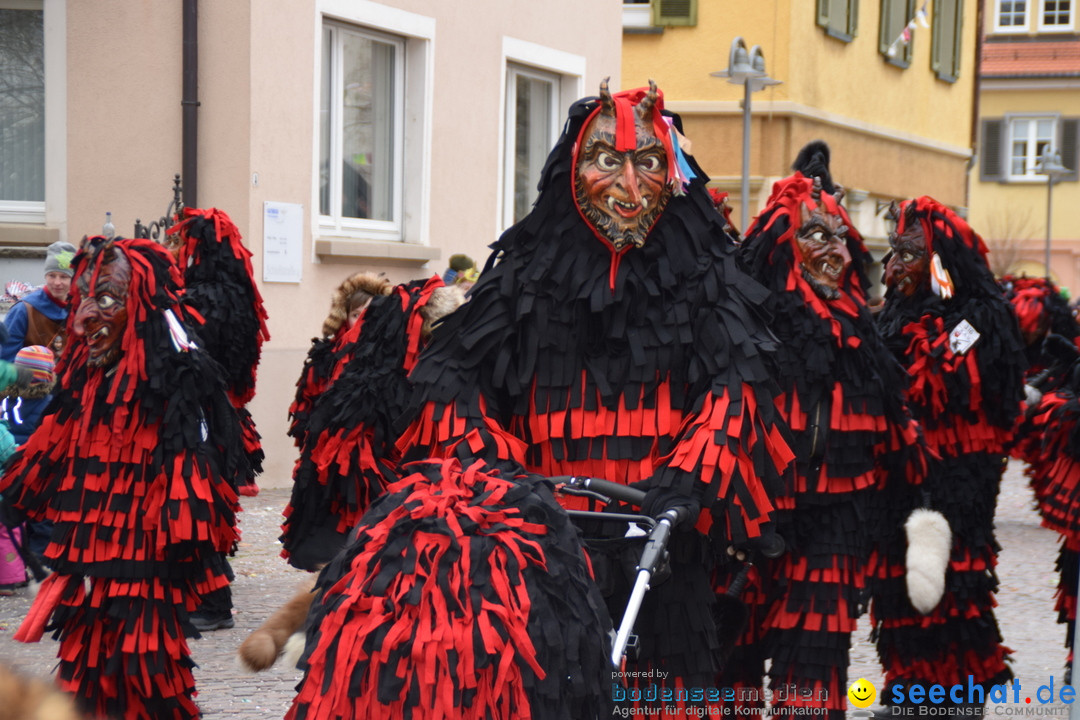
column 263, row 581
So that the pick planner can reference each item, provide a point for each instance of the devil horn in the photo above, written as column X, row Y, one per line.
column 646, row 105
column 607, row 103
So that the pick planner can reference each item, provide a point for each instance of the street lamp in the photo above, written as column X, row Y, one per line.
column 746, row 68
column 1050, row 165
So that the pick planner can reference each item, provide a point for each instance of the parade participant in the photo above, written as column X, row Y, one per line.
column 327, row 355
column 948, row 323
column 136, row 465
column 349, row 456
column 612, row 333
column 1044, row 437
column 39, row 317
column 853, row 436
column 220, row 284
column 1042, row 311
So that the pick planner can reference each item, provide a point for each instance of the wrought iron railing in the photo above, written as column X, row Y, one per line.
column 156, row 230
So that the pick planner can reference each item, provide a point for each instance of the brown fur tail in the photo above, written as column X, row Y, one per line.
column 29, row 698
column 265, row 644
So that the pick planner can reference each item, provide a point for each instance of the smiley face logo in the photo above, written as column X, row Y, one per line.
column 862, row 693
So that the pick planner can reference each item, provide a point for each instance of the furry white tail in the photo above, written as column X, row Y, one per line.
column 929, row 543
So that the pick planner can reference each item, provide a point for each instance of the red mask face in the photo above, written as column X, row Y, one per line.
column 908, row 268
column 822, row 240
column 621, row 193
column 102, row 313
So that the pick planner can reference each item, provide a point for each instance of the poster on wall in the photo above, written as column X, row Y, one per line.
column 283, row 240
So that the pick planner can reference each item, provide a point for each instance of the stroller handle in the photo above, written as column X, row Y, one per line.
column 615, row 491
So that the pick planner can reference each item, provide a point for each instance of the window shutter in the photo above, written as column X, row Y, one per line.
column 947, row 28
column 1070, row 148
column 958, row 39
column 895, row 15
column 853, row 17
column 823, row 13
column 991, row 144
column 674, row 12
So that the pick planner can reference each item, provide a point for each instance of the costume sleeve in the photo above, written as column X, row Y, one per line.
column 733, row 454
column 15, row 322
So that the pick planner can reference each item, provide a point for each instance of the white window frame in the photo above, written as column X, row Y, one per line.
column 1057, row 28
column 52, row 210
column 1031, row 174
column 513, row 71
column 389, row 229
column 569, row 68
column 1023, row 28
column 414, row 35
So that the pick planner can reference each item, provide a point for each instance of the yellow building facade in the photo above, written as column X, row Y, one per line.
column 897, row 114
column 1029, row 105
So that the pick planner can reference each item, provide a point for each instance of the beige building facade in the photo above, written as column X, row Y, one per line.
column 339, row 135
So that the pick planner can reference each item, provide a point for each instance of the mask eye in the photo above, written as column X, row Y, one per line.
column 817, row 237
column 907, row 257
column 649, row 163
column 607, row 161
column 106, row 302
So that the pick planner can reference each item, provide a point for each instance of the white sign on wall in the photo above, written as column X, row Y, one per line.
column 283, row 241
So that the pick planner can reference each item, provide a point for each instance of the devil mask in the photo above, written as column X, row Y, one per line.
column 822, row 242
column 102, row 314
column 622, row 167
column 907, row 268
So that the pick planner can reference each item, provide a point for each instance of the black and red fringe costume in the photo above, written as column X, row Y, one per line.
column 464, row 595
column 854, row 442
column 135, row 464
column 1041, row 310
column 646, row 365
column 967, row 402
column 220, row 284
column 1048, row 438
column 349, row 455
column 327, row 355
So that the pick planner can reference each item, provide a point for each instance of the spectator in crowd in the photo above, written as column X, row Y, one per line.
column 21, row 407
column 39, row 318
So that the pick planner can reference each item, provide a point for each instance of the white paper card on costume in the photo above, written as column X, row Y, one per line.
column 283, row 241
column 962, row 337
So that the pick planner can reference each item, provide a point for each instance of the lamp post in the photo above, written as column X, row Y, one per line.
column 746, row 68
column 1050, row 165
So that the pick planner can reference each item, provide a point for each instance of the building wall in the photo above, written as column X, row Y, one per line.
column 1012, row 216
column 893, row 133
column 258, row 79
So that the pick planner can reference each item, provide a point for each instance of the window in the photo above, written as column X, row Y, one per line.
column 1011, row 16
column 840, row 18
column 532, row 99
column 22, row 112
column 540, row 84
column 1029, row 138
column 674, row 12
column 895, row 15
column 1055, row 15
column 372, row 117
column 1010, row 147
column 360, row 128
column 947, row 33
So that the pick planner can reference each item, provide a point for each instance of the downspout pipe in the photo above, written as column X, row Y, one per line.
column 976, row 93
column 190, row 104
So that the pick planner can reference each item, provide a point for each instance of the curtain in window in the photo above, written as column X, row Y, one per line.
column 22, row 106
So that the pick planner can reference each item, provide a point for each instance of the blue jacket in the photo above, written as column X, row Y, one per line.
column 21, row 409
column 16, row 320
